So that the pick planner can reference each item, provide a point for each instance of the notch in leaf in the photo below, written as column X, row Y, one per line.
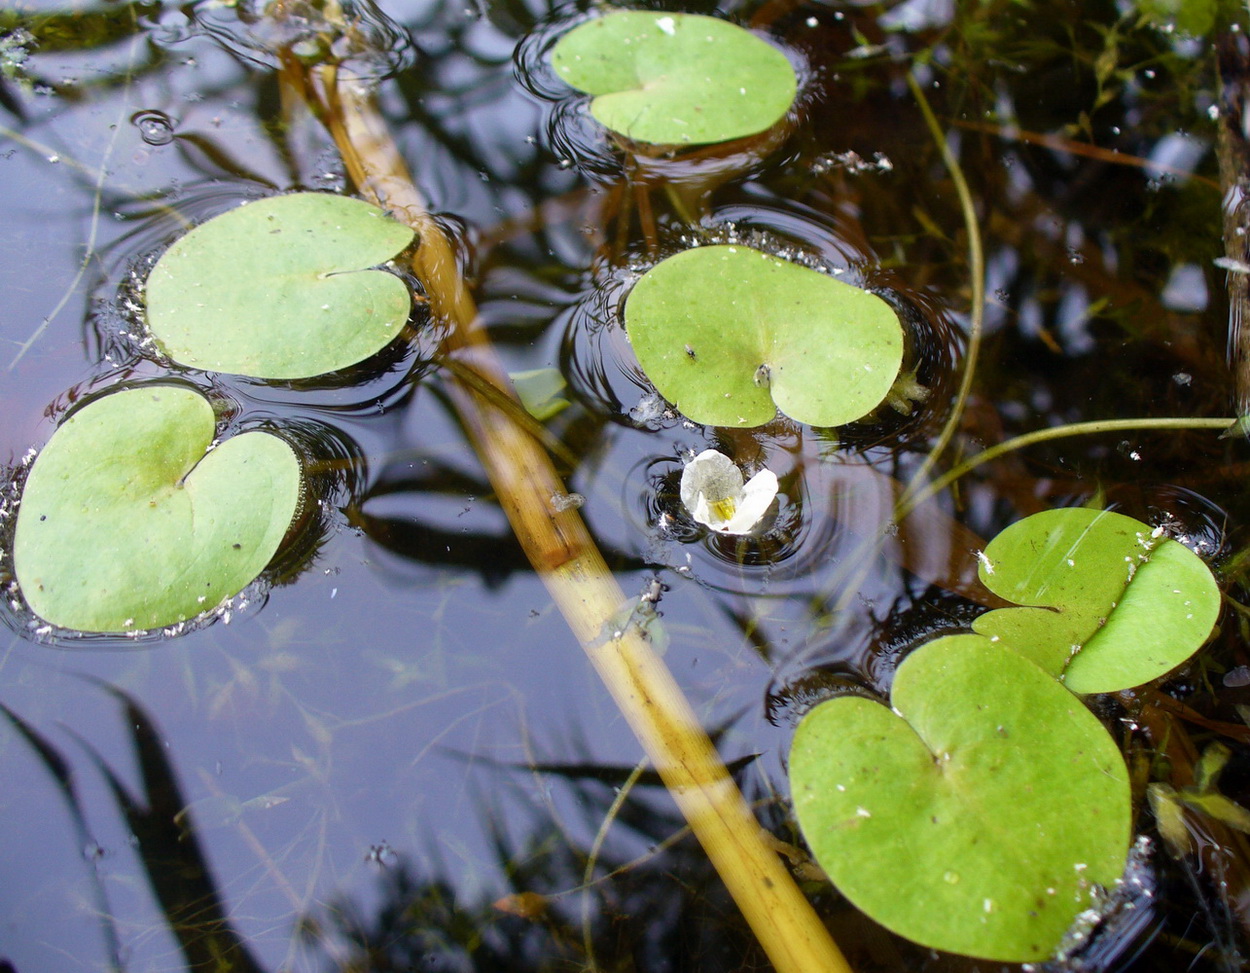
column 978, row 813
column 730, row 335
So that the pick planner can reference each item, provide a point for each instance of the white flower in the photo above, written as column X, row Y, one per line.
column 713, row 491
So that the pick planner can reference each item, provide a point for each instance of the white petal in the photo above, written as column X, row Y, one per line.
column 711, row 473
column 713, row 492
column 757, row 497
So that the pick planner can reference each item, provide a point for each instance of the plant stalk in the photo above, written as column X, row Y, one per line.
column 911, row 501
column 564, row 555
column 976, row 282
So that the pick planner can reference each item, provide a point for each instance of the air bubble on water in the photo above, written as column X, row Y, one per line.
column 155, row 127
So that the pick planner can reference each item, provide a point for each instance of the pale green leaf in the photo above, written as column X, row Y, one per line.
column 128, row 522
column 671, row 78
column 280, row 289
column 977, row 814
column 1113, row 604
column 729, row 334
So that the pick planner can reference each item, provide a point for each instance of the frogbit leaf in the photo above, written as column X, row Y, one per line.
column 128, row 522
column 279, row 288
column 672, row 79
column 976, row 813
column 729, row 335
column 1112, row 603
column 713, row 492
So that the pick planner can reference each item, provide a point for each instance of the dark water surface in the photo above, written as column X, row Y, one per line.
column 398, row 729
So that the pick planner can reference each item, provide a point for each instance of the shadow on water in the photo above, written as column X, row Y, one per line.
column 397, row 758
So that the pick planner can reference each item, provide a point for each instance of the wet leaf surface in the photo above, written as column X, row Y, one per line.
column 671, row 78
column 730, row 335
column 279, row 288
column 127, row 522
column 1114, row 604
column 975, row 814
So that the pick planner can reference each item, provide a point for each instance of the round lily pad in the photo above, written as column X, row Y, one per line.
column 676, row 79
column 974, row 815
column 128, row 521
column 729, row 335
column 280, row 289
column 1114, row 604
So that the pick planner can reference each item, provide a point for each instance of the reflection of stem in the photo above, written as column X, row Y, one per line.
column 565, row 557
column 976, row 272
column 913, row 499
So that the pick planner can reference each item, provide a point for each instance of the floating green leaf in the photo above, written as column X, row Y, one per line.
column 279, row 288
column 1113, row 604
column 729, row 334
column 128, row 521
column 672, row 79
column 976, row 815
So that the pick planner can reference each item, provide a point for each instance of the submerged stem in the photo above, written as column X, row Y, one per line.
column 912, row 500
column 565, row 557
column 976, row 273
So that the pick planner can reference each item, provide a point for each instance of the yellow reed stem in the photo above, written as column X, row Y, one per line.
column 564, row 555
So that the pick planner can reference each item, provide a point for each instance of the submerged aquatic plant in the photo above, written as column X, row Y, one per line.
column 713, row 491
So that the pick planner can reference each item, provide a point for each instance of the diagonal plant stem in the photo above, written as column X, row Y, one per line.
column 976, row 279
column 565, row 557
column 913, row 499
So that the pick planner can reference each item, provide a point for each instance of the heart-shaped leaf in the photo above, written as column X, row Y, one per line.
column 672, row 79
column 977, row 814
column 128, row 521
column 278, row 288
column 1114, row 603
column 729, row 334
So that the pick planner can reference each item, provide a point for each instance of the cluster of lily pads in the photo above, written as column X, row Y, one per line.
column 986, row 789
column 728, row 334
column 985, row 807
column 986, row 785
column 134, row 515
